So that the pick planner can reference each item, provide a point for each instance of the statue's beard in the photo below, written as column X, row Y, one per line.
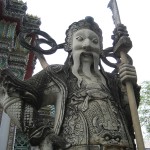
column 77, row 67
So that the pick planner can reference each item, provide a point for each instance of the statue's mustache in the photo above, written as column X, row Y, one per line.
column 90, row 49
column 77, row 63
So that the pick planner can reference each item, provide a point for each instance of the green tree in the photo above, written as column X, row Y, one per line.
column 144, row 109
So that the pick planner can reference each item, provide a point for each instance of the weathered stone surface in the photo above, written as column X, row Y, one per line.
column 91, row 106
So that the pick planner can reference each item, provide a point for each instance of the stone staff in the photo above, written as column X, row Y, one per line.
column 121, row 48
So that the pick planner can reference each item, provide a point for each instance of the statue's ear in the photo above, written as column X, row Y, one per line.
column 115, row 61
column 69, row 60
column 108, row 53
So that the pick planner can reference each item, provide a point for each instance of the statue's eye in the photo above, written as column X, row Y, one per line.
column 95, row 41
column 79, row 38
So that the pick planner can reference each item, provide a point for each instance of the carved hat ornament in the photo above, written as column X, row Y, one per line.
column 87, row 23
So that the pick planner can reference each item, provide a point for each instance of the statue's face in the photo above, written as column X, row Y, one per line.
column 86, row 42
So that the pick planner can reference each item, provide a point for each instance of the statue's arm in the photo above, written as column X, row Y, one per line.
column 127, row 72
column 125, row 101
column 40, row 90
column 12, row 87
column 126, row 107
column 22, row 101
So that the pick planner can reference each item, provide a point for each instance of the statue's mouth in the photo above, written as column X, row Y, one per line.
column 87, row 54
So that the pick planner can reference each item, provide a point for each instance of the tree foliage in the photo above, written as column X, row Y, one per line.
column 144, row 109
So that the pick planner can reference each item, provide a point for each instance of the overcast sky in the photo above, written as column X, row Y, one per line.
column 57, row 15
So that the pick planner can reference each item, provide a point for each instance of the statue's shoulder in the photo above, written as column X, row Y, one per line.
column 112, row 80
column 112, row 76
column 55, row 68
column 51, row 70
column 57, row 72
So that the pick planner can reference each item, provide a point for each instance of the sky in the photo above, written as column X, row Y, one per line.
column 57, row 15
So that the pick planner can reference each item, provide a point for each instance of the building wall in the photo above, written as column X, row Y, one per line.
column 20, row 61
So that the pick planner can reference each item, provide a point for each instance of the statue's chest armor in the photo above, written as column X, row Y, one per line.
column 91, row 115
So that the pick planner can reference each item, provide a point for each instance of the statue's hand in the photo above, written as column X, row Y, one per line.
column 127, row 72
column 118, row 32
column 53, row 140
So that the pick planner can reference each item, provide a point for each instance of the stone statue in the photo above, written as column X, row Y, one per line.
column 91, row 105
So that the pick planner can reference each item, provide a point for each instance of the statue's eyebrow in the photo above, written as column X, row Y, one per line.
column 82, row 34
column 93, row 36
column 89, row 35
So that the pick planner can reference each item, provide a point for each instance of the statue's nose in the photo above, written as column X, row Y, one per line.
column 86, row 44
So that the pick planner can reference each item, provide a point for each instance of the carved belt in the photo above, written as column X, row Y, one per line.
column 97, row 147
column 86, row 147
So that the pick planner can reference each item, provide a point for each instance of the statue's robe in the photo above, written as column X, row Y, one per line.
column 57, row 86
